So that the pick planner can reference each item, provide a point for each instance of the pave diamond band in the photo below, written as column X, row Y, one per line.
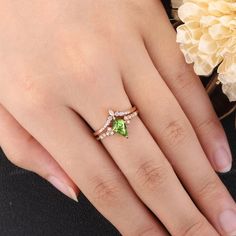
column 116, row 123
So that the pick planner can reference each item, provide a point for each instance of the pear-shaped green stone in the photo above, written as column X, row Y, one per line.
column 119, row 127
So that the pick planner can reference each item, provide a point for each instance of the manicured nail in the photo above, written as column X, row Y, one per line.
column 222, row 160
column 228, row 222
column 67, row 190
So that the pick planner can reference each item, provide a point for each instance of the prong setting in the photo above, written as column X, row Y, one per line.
column 116, row 123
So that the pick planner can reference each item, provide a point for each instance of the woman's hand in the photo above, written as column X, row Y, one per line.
column 64, row 64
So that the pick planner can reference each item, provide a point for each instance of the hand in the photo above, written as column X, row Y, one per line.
column 64, row 64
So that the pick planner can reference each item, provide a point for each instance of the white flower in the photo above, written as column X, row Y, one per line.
column 227, row 76
column 208, row 39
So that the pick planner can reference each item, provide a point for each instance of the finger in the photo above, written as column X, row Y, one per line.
column 24, row 151
column 69, row 140
column 169, row 126
column 145, row 167
column 188, row 89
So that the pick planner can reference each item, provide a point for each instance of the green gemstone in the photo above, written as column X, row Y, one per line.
column 119, row 127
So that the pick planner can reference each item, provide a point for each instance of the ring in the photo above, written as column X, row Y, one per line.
column 116, row 123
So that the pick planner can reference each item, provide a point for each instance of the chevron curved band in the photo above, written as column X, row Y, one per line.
column 116, row 123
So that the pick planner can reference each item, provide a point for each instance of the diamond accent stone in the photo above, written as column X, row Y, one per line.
column 111, row 112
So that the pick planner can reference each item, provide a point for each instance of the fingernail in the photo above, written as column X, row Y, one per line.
column 228, row 222
column 67, row 190
column 222, row 160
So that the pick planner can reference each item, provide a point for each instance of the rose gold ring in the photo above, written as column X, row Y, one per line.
column 116, row 123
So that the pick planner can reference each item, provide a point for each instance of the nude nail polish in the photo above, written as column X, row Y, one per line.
column 228, row 222
column 62, row 187
column 222, row 160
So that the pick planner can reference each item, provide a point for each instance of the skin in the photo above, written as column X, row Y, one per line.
column 63, row 65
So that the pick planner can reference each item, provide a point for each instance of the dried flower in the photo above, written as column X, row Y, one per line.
column 208, row 39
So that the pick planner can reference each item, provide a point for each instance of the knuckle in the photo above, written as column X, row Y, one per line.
column 198, row 227
column 184, row 78
column 147, row 231
column 105, row 190
column 175, row 132
column 151, row 174
column 26, row 83
column 35, row 94
column 208, row 124
column 208, row 189
column 184, row 81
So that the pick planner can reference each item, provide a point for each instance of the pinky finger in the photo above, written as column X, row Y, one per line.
column 24, row 151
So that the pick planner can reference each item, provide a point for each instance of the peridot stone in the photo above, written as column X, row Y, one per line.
column 119, row 127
